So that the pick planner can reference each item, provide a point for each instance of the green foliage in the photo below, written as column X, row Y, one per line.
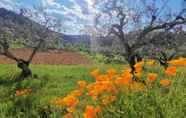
column 108, row 59
column 98, row 57
column 77, row 47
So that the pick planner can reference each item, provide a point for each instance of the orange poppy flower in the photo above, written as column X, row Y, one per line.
column 108, row 99
column 102, row 78
column 92, row 93
column 91, row 112
column 58, row 101
column 138, row 66
column 95, row 73
column 170, row 70
column 82, row 84
column 111, row 72
column 138, row 75
column 71, row 109
column 152, row 76
column 178, row 62
column 21, row 92
column 165, row 82
column 76, row 93
column 123, row 81
column 98, row 109
column 68, row 115
column 126, row 71
column 69, row 101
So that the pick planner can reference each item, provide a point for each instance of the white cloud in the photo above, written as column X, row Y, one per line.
column 8, row 4
column 90, row 4
column 75, row 15
column 53, row 6
column 51, row 1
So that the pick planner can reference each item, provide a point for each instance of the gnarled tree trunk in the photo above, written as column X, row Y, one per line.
column 25, row 70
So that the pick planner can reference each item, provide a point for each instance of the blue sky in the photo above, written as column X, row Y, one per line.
column 76, row 14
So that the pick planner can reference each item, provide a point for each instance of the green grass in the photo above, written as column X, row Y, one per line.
column 49, row 82
column 60, row 79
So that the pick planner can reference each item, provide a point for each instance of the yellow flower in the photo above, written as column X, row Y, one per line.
column 138, row 75
column 95, row 73
column 82, row 84
column 76, row 93
column 71, row 109
column 151, row 62
column 137, row 87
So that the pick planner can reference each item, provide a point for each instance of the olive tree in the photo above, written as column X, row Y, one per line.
column 30, row 34
column 141, row 18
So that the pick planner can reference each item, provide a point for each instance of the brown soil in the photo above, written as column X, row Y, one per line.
column 54, row 57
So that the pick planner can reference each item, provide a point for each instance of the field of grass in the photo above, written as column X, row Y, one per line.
column 49, row 82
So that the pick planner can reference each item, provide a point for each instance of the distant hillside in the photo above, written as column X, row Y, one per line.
column 75, row 39
column 20, row 24
column 86, row 39
column 11, row 16
column 21, row 28
column 17, row 23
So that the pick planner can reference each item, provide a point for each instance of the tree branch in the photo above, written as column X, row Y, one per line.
column 10, row 55
column 34, row 51
column 167, row 25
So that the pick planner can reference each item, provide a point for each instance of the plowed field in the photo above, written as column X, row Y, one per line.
column 53, row 57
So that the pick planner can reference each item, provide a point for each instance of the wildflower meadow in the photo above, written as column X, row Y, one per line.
column 121, row 94
column 92, row 58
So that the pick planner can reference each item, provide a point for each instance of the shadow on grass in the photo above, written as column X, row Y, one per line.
column 10, row 80
column 5, row 81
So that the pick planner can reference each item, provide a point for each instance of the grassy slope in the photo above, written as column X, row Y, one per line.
column 55, row 81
